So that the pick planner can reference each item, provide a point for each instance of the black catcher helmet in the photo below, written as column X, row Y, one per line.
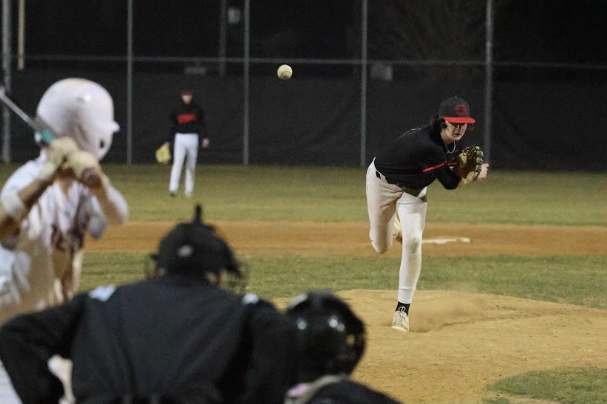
column 330, row 337
column 195, row 248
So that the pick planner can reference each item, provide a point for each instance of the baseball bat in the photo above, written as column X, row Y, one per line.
column 42, row 134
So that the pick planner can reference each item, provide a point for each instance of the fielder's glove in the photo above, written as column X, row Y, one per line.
column 469, row 163
column 163, row 154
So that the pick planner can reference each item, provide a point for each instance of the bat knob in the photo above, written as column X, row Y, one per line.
column 91, row 178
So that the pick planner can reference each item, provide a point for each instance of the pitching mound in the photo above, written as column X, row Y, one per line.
column 461, row 342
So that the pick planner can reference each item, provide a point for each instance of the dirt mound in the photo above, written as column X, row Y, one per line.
column 461, row 342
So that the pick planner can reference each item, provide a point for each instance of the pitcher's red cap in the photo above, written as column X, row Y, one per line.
column 455, row 110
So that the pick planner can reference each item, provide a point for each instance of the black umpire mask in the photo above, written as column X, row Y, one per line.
column 194, row 248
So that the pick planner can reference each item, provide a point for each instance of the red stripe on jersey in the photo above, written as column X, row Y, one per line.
column 427, row 169
column 186, row 118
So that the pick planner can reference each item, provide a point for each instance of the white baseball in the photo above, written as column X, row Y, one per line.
column 284, row 72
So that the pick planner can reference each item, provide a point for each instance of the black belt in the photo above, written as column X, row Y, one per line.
column 380, row 175
column 409, row 190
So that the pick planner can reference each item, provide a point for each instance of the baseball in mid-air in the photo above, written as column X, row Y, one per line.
column 284, row 72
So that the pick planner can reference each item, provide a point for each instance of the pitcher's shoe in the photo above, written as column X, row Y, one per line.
column 398, row 230
column 400, row 321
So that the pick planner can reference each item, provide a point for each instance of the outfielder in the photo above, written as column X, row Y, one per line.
column 187, row 124
column 47, row 209
column 397, row 182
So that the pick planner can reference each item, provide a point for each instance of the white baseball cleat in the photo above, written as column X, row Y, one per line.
column 400, row 321
column 398, row 230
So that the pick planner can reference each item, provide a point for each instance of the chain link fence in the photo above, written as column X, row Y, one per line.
column 364, row 72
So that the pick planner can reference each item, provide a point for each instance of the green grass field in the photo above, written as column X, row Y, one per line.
column 338, row 195
column 324, row 194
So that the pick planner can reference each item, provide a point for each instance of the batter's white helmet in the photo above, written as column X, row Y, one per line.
column 82, row 110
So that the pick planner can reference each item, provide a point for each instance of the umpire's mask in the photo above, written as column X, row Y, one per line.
column 194, row 248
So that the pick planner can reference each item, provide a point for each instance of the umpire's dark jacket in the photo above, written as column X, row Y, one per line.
column 169, row 336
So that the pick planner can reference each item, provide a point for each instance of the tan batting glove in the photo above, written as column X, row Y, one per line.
column 84, row 167
column 56, row 153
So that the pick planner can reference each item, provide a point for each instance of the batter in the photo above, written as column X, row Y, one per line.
column 46, row 210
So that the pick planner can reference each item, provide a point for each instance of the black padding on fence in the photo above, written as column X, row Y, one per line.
column 536, row 125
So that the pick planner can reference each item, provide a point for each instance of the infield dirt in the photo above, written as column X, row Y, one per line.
column 459, row 342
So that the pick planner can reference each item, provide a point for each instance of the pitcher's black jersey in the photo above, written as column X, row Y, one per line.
column 416, row 158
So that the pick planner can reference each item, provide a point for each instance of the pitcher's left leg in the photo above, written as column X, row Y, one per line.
column 412, row 212
column 413, row 218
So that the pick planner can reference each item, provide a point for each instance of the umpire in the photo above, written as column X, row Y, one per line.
column 175, row 338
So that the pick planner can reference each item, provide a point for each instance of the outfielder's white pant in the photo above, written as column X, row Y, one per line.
column 383, row 201
column 185, row 148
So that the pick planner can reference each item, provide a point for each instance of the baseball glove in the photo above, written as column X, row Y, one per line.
column 163, row 154
column 469, row 163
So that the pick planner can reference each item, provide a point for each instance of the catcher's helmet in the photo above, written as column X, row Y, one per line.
column 195, row 248
column 330, row 337
column 82, row 110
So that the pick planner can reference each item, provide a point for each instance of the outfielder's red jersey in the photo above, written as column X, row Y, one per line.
column 187, row 119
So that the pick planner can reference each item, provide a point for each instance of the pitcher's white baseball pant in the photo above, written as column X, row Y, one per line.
column 383, row 201
column 185, row 148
